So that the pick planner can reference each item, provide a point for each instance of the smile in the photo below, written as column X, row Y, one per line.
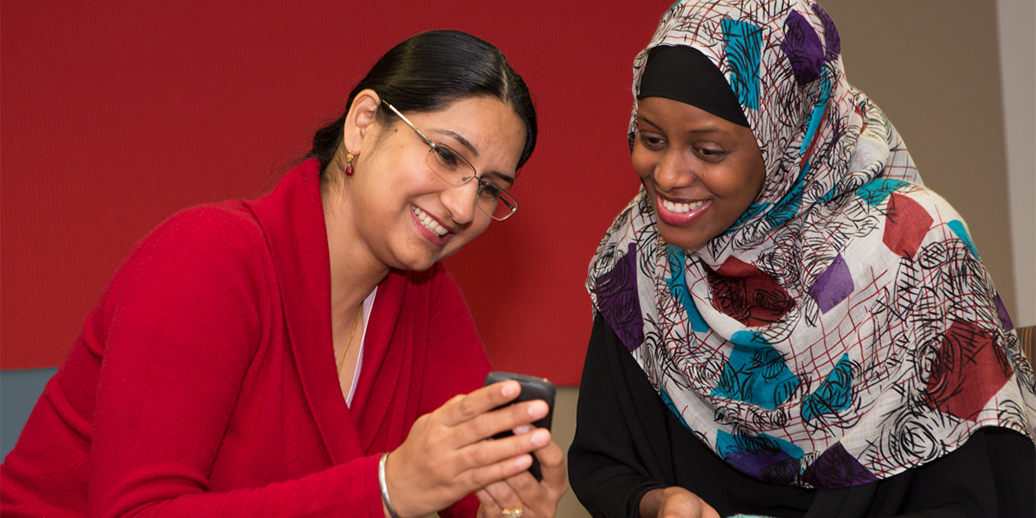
column 428, row 222
column 680, row 213
column 681, row 208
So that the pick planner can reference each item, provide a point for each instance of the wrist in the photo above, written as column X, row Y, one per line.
column 386, row 501
column 652, row 501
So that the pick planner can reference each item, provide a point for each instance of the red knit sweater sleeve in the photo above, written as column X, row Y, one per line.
column 178, row 330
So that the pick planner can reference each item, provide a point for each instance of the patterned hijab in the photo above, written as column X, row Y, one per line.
column 844, row 329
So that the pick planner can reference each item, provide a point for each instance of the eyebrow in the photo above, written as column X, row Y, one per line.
column 707, row 129
column 464, row 142
column 504, row 177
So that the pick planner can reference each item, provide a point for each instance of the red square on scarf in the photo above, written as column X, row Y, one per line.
column 906, row 225
column 969, row 369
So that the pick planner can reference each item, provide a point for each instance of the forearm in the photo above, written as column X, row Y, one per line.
column 610, row 459
column 347, row 489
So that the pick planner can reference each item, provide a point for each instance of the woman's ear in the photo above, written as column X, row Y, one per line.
column 360, row 121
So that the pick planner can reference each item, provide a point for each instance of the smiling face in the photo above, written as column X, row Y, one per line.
column 701, row 172
column 405, row 215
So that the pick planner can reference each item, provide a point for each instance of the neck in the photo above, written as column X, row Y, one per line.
column 355, row 271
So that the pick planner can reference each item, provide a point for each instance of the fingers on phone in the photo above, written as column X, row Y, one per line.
column 482, row 473
column 469, row 406
column 540, row 438
column 509, row 418
column 517, row 448
column 552, row 462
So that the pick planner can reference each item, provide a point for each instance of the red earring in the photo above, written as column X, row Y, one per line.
column 349, row 157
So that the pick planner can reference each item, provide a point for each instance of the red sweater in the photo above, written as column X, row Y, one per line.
column 204, row 383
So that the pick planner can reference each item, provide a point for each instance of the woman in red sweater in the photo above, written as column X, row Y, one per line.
column 302, row 354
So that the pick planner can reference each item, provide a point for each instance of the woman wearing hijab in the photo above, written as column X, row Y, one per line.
column 304, row 353
column 788, row 322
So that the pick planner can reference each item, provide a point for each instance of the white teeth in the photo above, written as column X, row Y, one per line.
column 429, row 223
column 680, row 208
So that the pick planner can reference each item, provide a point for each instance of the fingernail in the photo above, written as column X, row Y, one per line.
column 523, row 462
column 510, row 388
column 521, row 429
column 538, row 409
column 541, row 437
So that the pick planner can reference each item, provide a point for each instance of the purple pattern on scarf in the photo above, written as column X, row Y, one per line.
column 1005, row 317
column 832, row 286
column 619, row 304
column 802, row 47
column 760, row 457
column 832, row 43
column 836, row 468
column 772, row 467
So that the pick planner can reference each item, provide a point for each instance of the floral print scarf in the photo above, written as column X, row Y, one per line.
column 844, row 329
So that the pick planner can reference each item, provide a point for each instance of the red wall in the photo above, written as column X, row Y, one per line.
column 116, row 114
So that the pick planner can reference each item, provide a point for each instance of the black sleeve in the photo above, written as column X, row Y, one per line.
column 610, row 462
column 1012, row 457
column 992, row 475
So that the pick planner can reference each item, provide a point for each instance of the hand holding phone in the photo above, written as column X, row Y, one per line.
column 533, row 388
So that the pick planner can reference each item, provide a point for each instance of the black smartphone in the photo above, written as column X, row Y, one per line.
column 533, row 388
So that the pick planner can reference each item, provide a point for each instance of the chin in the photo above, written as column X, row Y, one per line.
column 419, row 265
column 409, row 262
column 425, row 258
column 676, row 237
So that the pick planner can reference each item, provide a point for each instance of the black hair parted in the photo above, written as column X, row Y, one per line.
column 427, row 72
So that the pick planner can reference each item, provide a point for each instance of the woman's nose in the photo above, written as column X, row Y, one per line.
column 460, row 201
column 673, row 171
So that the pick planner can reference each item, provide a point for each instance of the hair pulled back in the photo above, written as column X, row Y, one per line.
column 427, row 72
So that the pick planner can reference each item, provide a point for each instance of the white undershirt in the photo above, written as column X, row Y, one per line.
column 368, row 303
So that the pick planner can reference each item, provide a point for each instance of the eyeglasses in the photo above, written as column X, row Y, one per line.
column 454, row 169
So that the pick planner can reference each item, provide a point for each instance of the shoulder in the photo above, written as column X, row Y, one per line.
column 895, row 212
column 934, row 269
column 207, row 245
column 911, row 212
column 890, row 196
column 204, row 230
column 892, row 237
column 203, row 276
column 228, row 222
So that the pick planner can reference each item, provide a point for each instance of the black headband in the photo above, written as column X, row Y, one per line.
column 684, row 74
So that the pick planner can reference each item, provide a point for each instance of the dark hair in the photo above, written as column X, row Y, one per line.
column 427, row 72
